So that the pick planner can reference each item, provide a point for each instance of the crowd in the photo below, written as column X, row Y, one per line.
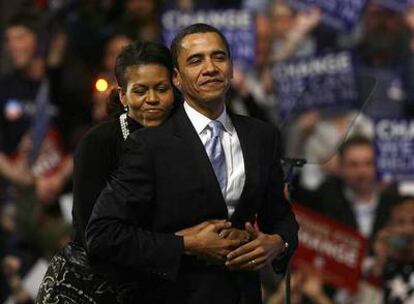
column 56, row 65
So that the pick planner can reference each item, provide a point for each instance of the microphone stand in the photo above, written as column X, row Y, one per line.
column 289, row 164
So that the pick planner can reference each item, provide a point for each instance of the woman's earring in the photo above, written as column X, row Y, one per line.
column 126, row 109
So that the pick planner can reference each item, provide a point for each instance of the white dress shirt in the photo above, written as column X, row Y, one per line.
column 232, row 151
column 364, row 211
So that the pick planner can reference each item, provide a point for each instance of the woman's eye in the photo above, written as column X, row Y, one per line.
column 140, row 91
column 163, row 89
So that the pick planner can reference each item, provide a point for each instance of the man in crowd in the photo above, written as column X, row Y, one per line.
column 354, row 198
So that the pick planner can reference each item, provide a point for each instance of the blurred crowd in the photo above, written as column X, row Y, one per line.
column 56, row 67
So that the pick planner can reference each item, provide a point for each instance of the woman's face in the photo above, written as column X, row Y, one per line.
column 148, row 94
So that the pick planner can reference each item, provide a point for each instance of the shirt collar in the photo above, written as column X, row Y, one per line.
column 200, row 121
column 356, row 203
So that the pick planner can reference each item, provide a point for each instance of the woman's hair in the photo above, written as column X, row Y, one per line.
column 135, row 54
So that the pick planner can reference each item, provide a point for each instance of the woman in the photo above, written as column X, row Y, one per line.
column 143, row 72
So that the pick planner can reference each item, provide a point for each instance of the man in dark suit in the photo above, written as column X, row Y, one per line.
column 202, row 164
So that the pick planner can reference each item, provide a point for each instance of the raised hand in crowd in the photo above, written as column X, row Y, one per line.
column 306, row 21
column 57, row 49
column 11, row 266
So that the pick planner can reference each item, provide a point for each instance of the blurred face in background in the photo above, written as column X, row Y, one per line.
column 409, row 18
column 148, row 94
column 282, row 19
column 112, row 49
column 357, row 168
column 384, row 40
column 142, row 9
column 263, row 39
column 402, row 218
column 100, row 97
column 21, row 45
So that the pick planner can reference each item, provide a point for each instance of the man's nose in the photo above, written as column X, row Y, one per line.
column 210, row 67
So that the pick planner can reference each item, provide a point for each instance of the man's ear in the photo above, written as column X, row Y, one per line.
column 177, row 78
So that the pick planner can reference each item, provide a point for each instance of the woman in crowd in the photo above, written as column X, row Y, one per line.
column 144, row 98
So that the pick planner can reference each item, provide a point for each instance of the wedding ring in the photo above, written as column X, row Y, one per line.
column 252, row 262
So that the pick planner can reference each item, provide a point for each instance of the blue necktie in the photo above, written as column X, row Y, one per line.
column 216, row 155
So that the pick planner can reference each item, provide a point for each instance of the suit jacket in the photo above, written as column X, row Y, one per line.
column 165, row 183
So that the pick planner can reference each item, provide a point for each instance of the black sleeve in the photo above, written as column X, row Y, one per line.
column 93, row 164
column 276, row 215
column 116, row 231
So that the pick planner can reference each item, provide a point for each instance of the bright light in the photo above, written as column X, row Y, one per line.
column 101, row 85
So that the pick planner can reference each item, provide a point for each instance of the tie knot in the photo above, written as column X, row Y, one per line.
column 216, row 128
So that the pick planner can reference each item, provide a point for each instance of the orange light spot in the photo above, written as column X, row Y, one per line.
column 101, row 85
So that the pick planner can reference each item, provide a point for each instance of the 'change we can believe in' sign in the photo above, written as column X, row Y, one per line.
column 238, row 26
column 339, row 14
column 323, row 82
column 394, row 145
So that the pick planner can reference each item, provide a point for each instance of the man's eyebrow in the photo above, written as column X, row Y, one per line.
column 200, row 55
column 219, row 52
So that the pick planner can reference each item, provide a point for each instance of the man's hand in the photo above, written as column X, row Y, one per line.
column 207, row 243
column 254, row 255
column 235, row 234
column 197, row 228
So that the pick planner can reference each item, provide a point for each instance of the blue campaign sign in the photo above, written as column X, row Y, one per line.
column 238, row 26
column 394, row 146
column 323, row 82
column 397, row 5
column 339, row 14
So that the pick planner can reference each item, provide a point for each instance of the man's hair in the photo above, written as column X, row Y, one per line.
column 354, row 141
column 28, row 19
column 194, row 29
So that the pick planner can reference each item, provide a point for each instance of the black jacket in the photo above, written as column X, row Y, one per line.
column 165, row 183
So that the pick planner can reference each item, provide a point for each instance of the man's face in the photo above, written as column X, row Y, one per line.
column 20, row 45
column 204, row 69
column 357, row 167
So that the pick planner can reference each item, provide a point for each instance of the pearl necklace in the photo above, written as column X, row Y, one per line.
column 124, row 125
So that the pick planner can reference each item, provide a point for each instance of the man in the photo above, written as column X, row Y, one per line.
column 355, row 199
column 202, row 164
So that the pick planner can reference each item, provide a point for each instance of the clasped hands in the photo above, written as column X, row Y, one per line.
column 219, row 243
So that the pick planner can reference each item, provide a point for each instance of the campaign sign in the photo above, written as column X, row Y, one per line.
column 323, row 82
column 238, row 26
column 396, row 5
column 394, row 146
column 339, row 14
column 331, row 249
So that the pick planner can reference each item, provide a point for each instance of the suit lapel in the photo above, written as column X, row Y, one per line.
column 191, row 142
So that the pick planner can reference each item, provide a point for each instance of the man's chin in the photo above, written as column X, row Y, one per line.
column 214, row 97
